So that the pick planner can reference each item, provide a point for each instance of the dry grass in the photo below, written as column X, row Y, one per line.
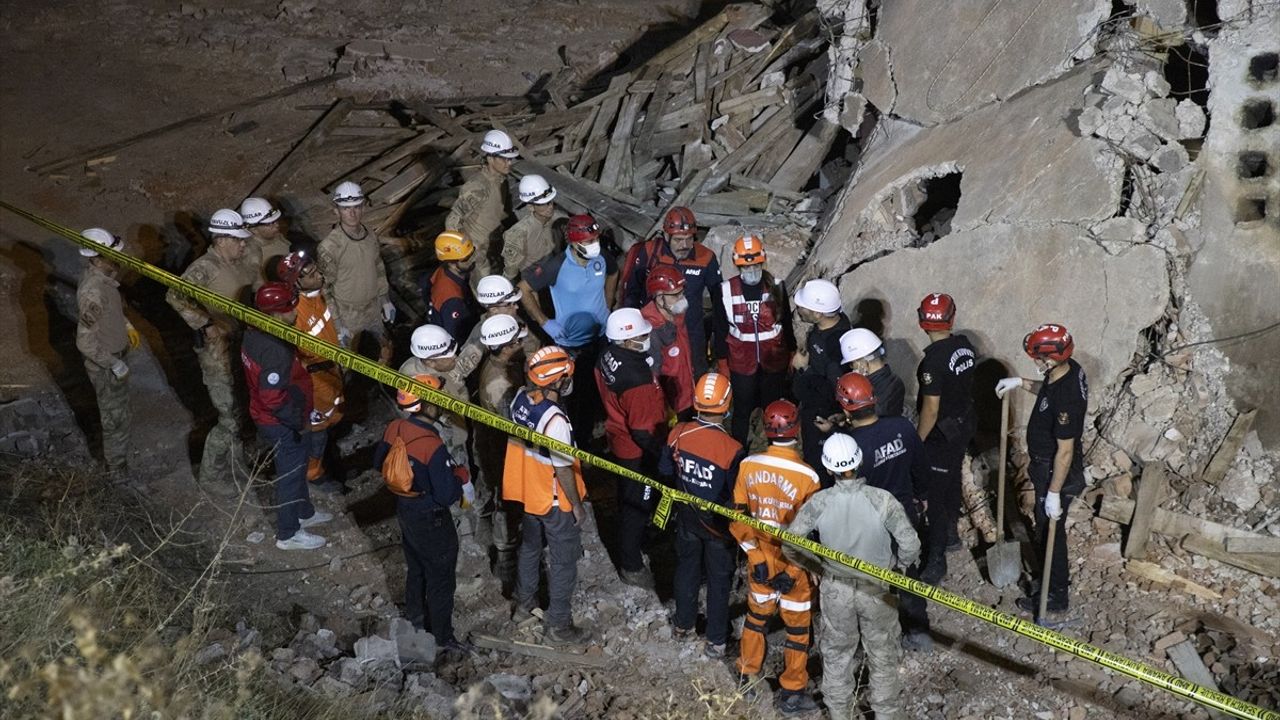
column 104, row 607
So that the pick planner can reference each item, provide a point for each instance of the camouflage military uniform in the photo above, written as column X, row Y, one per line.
column 864, row 522
column 498, row 384
column 355, row 281
column 260, row 257
column 102, row 338
column 527, row 242
column 478, row 212
column 222, row 450
column 472, row 352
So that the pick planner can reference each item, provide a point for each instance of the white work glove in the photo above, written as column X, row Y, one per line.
column 344, row 337
column 1007, row 384
column 468, row 495
column 389, row 311
column 119, row 369
column 1053, row 505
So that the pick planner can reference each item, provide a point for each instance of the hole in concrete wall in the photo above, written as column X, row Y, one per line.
column 985, row 404
column 942, row 198
column 1204, row 13
column 1187, row 70
column 1251, row 209
column 1257, row 113
column 1264, row 68
column 1252, row 165
column 870, row 315
column 1120, row 9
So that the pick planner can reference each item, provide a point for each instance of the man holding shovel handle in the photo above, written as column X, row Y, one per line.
column 1054, row 432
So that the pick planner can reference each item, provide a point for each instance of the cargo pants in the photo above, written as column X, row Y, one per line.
column 114, row 413
column 856, row 611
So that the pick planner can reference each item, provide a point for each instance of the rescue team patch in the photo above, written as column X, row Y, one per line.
column 273, row 378
column 1063, row 418
column 926, row 378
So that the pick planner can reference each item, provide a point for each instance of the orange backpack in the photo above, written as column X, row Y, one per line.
column 397, row 470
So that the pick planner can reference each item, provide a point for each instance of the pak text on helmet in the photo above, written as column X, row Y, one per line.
column 937, row 312
column 1049, row 342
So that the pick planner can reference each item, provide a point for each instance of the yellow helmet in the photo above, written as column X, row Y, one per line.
column 453, row 245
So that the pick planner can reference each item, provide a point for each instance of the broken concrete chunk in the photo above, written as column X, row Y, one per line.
column 1126, row 85
column 511, row 687
column 414, row 645
column 1141, row 142
column 1170, row 158
column 1191, row 120
column 375, row 649
column 1156, row 84
column 1168, row 14
column 1159, row 116
column 1090, row 120
column 1240, row 488
column 1125, row 230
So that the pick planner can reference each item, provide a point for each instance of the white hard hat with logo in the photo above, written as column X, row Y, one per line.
column 498, row 330
column 228, row 222
column 626, row 323
column 103, row 238
column 497, row 142
column 348, row 194
column 857, row 344
column 841, row 454
column 430, row 342
column 535, row 190
column 258, row 211
column 496, row 290
column 820, row 296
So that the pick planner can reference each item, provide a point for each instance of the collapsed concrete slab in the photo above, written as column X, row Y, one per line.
column 1009, row 278
column 1021, row 161
column 966, row 54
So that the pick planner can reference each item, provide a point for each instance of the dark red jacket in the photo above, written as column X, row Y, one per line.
column 635, row 409
column 279, row 384
column 701, row 272
column 671, row 357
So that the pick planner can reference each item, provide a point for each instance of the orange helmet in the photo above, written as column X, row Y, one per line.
column 781, row 420
column 412, row 403
column 680, row 222
column 453, row 245
column 712, row 394
column 854, row 392
column 748, row 250
column 548, row 365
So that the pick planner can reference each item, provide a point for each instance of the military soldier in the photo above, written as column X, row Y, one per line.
column 481, row 206
column 105, row 337
column 501, row 375
column 268, row 244
column 223, row 271
column 530, row 239
column 354, row 275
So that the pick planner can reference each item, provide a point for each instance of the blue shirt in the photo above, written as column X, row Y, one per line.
column 574, row 288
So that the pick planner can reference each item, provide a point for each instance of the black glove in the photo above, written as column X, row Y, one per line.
column 782, row 582
column 760, row 573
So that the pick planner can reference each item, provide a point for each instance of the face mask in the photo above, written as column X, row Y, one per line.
column 567, row 389
column 589, row 250
column 644, row 344
column 752, row 275
column 679, row 307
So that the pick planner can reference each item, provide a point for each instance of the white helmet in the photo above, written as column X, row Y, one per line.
column 820, row 296
column 499, row 143
column 535, row 190
column 496, row 289
column 431, row 342
column 841, row 454
column 228, row 222
column 348, row 194
column 257, row 211
column 857, row 344
column 498, row 330
column 626, row 323
column 103, row 238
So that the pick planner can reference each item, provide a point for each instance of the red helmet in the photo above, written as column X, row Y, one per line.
column 680, row 222
column 936, row 312
column 582, row 229
column 290, row 266
column 782, row 420
column 276, row 297
column 1051, row 342
column 664, row 279
column 854, row 392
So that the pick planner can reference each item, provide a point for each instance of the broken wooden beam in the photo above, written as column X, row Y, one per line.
column 490, row 642
column 302, row 151
column 807, row 157
column 55, row 165
column 1151, row 492
column 1202, row 537
column 578, row 196
column 1261, row 563
column 1163, row 576
column 1190, row 666
column 1255, row 544
column 1229, row 448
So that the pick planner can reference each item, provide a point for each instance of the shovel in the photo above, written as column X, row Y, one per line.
column 1004, row 558
column 1044, row 575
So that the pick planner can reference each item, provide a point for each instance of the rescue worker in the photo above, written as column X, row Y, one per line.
column 448, row 291
column 752, row 339
column 269, row 243
column 635, row 425
column 946, row 424
column 893, row 460
column 482, row 204
column 531, row 238
column 862, row 352
column 104, row 337
column 678, row 247
column 501, row 375
column 817, row 365
column 1054, row 433
column 550, row 487
column 670, row 338
column 703, row 459
column 580, row 280
column 772, row 486
column 354, row 274
column 221, row 270
column 864, row 522
column 497, row 296
column 316, row 318
column 280, row 403
column 427, row 534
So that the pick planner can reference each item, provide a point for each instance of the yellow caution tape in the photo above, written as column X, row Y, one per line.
column 1138, row 671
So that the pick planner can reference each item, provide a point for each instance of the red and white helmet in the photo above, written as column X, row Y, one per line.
column 936, row 312
column 1049, row 342
column 782, row 420
column 664, row 280
column 582, row 229
column 679, row 222
column 854, row 392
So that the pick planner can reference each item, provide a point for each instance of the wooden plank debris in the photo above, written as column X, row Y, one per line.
column 302, row 151
column 1199, row 536
column 1256, row 544
column 1163, row 576
column 490, row 642
column 1225, row 456
column 1151, row 491
column 1191, row 667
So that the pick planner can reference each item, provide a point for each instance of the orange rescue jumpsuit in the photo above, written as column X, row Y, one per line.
column 315, row 318
column 771, row 488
